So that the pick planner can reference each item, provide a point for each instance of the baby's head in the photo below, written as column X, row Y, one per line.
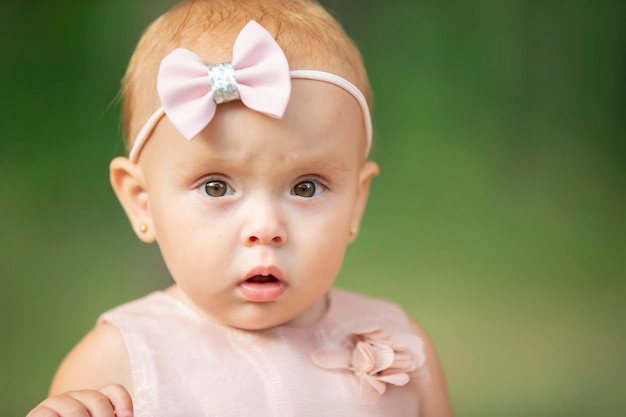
column 252, row 213
column 308, row 35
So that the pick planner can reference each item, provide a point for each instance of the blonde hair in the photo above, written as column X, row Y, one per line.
column 310, row 37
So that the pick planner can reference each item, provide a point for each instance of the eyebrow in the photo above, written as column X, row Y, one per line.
column 334, row 164
column 196, row 164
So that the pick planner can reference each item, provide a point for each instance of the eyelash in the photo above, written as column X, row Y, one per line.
column 319, row 186
column 216, row 181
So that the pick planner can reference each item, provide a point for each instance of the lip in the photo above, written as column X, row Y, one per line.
column 263, row 291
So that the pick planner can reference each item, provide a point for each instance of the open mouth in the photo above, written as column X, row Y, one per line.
column 262, row 287
column 262, row 279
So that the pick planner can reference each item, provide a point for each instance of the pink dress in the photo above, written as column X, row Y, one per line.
column 360, row 359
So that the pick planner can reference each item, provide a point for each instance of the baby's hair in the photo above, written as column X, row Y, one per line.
column 309, row 36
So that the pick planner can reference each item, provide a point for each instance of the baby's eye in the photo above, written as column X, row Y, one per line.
column 217, row 188
column 307, row 189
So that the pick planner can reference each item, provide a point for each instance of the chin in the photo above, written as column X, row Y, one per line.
column 258, row 317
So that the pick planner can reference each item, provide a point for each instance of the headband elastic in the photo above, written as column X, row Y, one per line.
column 258, row 75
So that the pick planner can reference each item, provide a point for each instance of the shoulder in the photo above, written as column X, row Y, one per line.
column 360, row 301
column 431, row 387
column 154, row 304
column 100, row 358
column 354, row 308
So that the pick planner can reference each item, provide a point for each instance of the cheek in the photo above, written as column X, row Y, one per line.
column 326, row 264
column 324, row 241
column 189, row 237
column 184, row 214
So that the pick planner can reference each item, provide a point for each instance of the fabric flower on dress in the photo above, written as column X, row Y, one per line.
column 375, row 358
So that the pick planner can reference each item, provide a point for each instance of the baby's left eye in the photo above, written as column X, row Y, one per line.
column 307, row 189
column 216, row 188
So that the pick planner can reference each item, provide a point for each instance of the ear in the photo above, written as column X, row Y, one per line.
column 368, row 171
column 129, row 185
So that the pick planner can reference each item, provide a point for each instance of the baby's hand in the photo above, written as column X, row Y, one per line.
column 109, row 401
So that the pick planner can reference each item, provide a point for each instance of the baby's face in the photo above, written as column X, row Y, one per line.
column 253, row 215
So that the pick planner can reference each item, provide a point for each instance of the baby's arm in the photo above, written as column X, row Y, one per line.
column 94, row 379
column 432, row 390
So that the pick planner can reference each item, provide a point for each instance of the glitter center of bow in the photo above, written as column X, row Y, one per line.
column 223, row 82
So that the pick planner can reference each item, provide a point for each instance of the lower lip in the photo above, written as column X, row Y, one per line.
column 262, row 291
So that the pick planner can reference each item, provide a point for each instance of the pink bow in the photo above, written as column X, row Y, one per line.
column 258, row 75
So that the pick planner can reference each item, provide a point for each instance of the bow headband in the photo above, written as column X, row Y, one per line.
column 258, row 75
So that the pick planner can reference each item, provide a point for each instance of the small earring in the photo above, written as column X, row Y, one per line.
column 143, row 228
column 353, row 231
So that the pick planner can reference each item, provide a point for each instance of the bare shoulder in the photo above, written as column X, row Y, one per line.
column 432, row 390
column 99, row 359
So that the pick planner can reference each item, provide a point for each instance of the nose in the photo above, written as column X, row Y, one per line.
column 264, row 225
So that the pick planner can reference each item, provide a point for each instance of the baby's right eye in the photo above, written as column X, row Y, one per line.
column 217, row 188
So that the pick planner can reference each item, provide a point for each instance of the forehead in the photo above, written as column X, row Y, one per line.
column 322, row 123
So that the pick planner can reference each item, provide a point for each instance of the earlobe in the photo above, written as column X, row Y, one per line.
column 129, row 185
column 368, row 171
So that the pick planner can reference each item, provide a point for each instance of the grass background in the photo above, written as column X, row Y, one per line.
column 498, row 220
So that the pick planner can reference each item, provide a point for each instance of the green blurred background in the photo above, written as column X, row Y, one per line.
column 498, row 220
